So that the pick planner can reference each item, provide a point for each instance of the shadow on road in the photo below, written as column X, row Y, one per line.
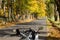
column 35, row 22
column 2, row 34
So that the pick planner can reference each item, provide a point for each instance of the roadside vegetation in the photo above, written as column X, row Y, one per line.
column 20, row 11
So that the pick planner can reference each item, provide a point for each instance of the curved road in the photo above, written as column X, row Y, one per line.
column 5, row 33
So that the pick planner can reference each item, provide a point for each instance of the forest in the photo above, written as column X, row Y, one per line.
column 14, row 12
column 17, row 10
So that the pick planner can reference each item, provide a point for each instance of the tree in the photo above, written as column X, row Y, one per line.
column 57, row 2
column 50, row 9
column 42, row 8
column 10, row 7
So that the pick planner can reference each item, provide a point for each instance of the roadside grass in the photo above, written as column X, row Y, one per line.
column 53, row 31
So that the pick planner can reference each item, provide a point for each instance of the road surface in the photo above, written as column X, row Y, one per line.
column 5, row 34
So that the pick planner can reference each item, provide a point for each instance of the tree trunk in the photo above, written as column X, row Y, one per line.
column 10, row 14
column 58, row 7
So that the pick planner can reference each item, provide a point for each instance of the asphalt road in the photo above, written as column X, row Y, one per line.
column 35, row 22
column 5, row 34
